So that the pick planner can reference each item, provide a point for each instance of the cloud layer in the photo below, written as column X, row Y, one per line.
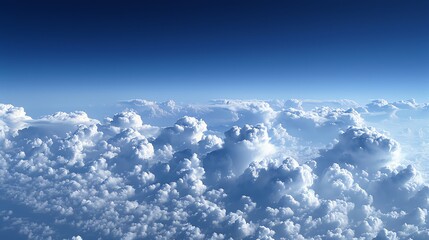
column 231, row 169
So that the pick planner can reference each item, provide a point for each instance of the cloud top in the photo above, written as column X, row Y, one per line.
column 230, row 169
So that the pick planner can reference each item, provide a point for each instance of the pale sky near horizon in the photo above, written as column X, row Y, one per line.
column 74, row 54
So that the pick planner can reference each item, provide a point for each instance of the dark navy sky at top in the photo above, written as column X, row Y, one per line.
column 250, row 49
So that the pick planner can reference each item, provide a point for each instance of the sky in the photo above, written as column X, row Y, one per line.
column 301, row 119
column 72, row 55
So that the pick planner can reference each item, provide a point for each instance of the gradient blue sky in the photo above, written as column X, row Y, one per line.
column 67, row 55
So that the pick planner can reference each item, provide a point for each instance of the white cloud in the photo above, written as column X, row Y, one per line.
column 242, row 146
column 361, row 147
column 12, row 119
column 320, row 125
column 218, row 171
column 186, row 133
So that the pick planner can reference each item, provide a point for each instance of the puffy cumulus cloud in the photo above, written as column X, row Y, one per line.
column 271, row 181
column 219, row 114
column 242, row 146
column 362, row 147
column 77, row 117
column 380, row 105
column 153, row 109
column 187, row 131
column 406, row 104
column 58, row 124
column 67, row 176
column 162, row 113
column 408, row 125
column 128, row 119
column 308, row 104
column 12, row 119
column 244, row 112
column 320, row 125
column 380, row 109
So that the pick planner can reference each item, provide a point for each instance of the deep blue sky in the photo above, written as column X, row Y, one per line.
column 72, row 54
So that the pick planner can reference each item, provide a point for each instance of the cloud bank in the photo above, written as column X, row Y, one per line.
column 291, row 169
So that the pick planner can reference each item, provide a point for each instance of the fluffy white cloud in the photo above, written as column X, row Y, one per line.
column 218, row 114
column 381, row 105
column 185, row 133
column 242, row 146
column 12, row 119
column 361, row 147
column 308, row 104
column 320, row 125
column 218, row 171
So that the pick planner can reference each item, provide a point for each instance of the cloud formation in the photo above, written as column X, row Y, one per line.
column 230, row 169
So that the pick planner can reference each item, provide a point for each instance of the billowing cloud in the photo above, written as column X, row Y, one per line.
column 12, row 119
column 228, row 169
column 361, row 147
column 320, row 125
column 242, row 146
